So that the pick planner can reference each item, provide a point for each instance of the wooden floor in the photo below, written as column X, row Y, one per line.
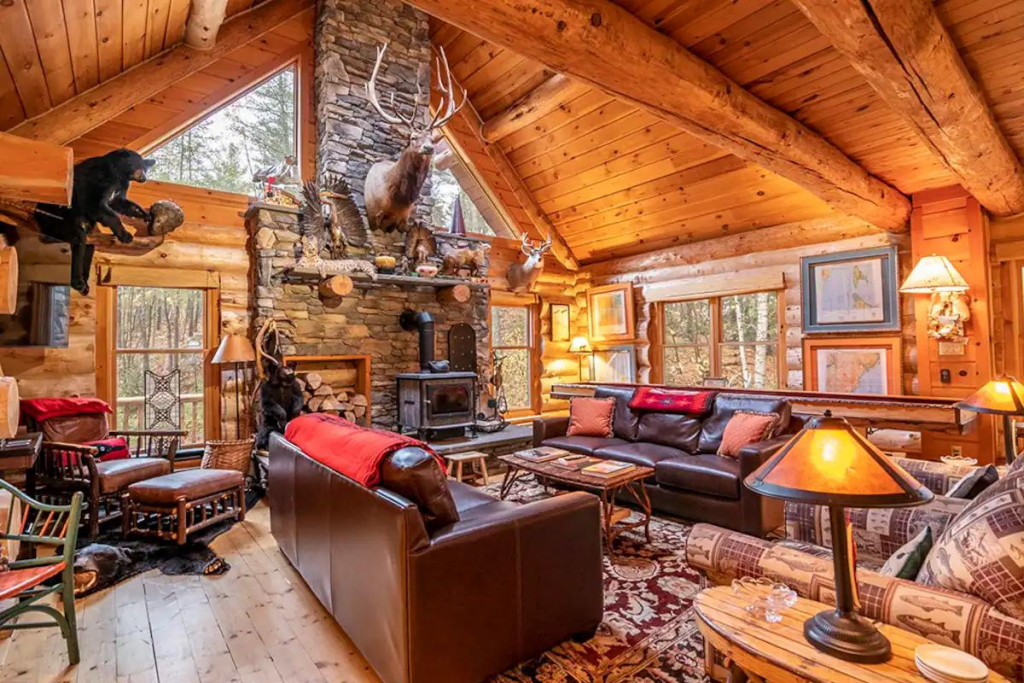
column 256, row 623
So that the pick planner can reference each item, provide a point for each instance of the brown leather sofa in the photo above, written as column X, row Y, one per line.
column 500, row 586
column 690, row 480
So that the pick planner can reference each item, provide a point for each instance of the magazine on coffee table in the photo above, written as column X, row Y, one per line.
column 607, row 468
column 541, row 454
column 574, row 462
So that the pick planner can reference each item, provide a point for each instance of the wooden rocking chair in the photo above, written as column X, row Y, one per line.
column 40, row 524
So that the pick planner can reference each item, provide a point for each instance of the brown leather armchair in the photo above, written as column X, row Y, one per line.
column 502, row 585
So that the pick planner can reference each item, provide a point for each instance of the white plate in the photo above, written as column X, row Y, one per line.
column 950, row 663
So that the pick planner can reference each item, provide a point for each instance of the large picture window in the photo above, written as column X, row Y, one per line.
column 512, row 336
column 733, row 339
column 160, row 330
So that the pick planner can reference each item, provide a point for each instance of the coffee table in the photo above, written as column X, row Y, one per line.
column 754, row 650
column 614, row 521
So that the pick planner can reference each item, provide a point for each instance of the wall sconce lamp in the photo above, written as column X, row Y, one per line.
column 950, row 306
column 580, row 346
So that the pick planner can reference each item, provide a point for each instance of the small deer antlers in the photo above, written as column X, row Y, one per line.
column 446, row 109
column 527, row 246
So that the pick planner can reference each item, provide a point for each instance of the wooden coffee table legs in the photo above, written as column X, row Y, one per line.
column 615, row 521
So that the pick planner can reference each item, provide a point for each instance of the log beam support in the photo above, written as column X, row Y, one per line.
column 603, row 45
column 204, row 21
column 531, row 107
column 903, row 50
column 35, row 171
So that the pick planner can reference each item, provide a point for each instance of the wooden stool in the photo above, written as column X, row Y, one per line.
column 476, row 460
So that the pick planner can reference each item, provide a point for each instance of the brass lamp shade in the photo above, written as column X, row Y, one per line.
column 934, row 274
column 234, row 348
column 1003, row 395
column 828, row 463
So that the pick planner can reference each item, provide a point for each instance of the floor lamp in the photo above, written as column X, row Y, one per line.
column 237, row 350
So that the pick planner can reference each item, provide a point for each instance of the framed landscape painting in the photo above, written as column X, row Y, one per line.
column 610, row 311
column 864, row 365
column 852, row 291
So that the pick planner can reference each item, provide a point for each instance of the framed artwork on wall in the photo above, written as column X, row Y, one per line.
column 852, row 291
column 854, row 365
column 610, row 310
column 559, row 322
column 614, row 365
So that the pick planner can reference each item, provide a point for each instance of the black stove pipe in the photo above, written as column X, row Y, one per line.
column 424, row 322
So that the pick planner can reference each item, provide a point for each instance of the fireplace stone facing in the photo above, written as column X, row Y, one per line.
column 366, row 321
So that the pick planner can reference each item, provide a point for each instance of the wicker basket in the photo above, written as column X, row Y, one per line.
column 228, row 455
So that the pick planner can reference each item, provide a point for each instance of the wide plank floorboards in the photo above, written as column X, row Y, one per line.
column 258, row 623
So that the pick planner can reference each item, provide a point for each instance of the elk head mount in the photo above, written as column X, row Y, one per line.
column 393, row 186
column 522, row 276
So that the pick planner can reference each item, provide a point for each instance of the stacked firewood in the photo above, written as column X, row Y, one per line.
column 320, row 397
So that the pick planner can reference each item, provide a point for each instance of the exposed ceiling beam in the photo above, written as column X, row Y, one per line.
column 602, row 44
column 96, row 106
column 906, row 54
column 35, row 171
column 204, row 21
column 533, row 106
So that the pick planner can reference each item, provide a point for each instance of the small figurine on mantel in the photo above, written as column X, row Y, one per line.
column 466, row 262
column 420, row 245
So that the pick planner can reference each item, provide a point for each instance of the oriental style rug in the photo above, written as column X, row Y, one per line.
column 648, row 634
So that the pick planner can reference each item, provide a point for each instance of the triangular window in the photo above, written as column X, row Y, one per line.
column 236, row 147
column 448, row 187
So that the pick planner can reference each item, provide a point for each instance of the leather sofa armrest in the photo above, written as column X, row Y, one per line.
column 549, row 427
column 946, row 616
column 755, row 454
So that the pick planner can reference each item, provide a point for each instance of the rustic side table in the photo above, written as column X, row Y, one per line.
column 754, row 650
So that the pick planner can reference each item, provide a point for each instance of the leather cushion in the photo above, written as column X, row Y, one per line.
column 415, row 474
column 711, row 475
column 75, row 428
column 186, row 484
column 645, row 454
column 582, row 444
column 117, row 475
column 591, row 416
column 625, row 422
column 726, row 406
column 677, row 431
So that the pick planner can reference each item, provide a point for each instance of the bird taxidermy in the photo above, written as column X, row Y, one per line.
column 332, row 214
column 522, row 276
column 393, row 186
column 470, row 261
column 420, row 244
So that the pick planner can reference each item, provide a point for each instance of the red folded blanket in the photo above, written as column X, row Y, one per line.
column 42, row 409
column 347, row 448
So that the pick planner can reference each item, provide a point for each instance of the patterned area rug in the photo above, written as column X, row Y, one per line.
column 648, row 634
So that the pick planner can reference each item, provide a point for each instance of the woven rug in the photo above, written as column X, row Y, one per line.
column 648, row 634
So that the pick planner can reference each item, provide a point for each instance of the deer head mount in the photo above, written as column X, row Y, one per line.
column 393, row 186
column 522, row 276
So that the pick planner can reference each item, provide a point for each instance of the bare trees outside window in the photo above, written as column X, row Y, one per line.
column 512, row 341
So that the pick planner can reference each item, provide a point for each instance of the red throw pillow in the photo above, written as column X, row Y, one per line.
column 745, row 428
column 591, row 416
column 115, row 448
column 694, row 403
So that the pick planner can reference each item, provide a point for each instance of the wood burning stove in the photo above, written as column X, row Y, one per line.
column 434, row 403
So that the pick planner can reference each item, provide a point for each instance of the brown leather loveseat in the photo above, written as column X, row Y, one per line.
column 690, row 480
column 500, row 586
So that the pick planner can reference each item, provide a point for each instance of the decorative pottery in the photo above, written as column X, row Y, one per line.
column 385, row 264
column 426, row 270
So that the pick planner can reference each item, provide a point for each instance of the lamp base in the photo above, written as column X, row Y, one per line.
column 848, row 637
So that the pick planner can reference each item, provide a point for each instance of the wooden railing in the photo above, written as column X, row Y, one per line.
column 131, row 415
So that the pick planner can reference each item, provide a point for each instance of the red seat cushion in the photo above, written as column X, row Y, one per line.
column 16, row 581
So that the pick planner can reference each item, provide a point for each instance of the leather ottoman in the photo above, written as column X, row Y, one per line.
column 175, row 505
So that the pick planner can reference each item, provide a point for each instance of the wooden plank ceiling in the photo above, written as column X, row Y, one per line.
column 54, row 50
column 616, row 181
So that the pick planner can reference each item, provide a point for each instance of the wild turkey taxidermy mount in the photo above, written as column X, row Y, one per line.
column 332, row 213
column 392, row 187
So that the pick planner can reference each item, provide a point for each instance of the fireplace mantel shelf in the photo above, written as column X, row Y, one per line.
column 363, row 280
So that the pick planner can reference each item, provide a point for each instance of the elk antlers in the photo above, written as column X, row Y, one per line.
column 527, row 246
column 446, row 109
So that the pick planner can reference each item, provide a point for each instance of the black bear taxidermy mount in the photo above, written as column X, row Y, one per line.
column 99, row 195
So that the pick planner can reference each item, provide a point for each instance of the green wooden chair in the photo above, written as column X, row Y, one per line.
column 42, row 525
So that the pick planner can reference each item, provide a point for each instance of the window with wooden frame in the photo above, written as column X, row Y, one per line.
column 729, row 339
column 146, row 328
column 513, row 341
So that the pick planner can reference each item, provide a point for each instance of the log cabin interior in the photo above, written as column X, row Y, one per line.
column 676, row 340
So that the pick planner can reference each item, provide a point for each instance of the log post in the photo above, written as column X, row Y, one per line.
column 10, row 407
column 531, row 107
column 203, row 23
column 8, row 280
column 336, row 286
column 35, row 171
column 456, row 294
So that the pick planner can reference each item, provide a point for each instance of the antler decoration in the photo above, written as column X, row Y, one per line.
column 526, row 245
column 446, row 109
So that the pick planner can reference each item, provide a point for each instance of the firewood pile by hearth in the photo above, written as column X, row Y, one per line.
column 319, row 396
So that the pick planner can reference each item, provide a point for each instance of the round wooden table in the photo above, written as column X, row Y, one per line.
column 754, row 650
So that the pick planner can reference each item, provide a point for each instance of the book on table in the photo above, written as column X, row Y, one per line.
column 574, row 461
column 607, row 468
column 541, row 454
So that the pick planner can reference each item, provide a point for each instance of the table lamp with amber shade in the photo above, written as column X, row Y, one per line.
column 1004, row 396
column 828, row 463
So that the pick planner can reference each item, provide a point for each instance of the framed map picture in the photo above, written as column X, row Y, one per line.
column 560, row 322
column 864, row 365
column 610, row 310
column 852, row 291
